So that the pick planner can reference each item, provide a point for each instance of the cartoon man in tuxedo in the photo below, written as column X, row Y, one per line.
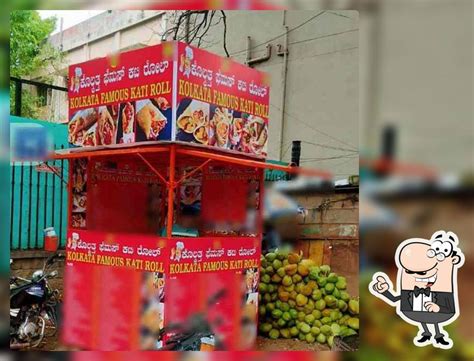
column 427, row 286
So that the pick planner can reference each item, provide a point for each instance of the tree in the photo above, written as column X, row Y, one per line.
column 192, row 26
column 29, row 53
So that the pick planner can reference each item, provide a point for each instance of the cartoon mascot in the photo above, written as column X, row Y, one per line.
column 426, row 286
column 176, row 252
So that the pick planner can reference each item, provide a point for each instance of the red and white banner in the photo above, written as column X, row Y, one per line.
column 198, row 255
column 136, row 252
column 120, row 290
column 172, row 91
column 108, row 298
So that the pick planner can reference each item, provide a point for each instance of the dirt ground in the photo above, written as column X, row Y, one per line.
column 263, row 344
column 266, row 344
column 50, row 344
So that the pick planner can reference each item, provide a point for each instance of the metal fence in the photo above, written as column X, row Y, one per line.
column 38, row 201
column 38, row 198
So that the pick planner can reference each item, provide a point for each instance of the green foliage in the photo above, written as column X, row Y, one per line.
column 30, row 53
column 30, row 103
column 28, row 47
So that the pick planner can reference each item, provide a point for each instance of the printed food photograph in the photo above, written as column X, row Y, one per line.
column 126, row 123
column 236, row 131
column 221, row 121
column 251, row 280
column 152, row 119
column 193, row 121
column 78, row 220
column 91, row 137
column 107, row 125
column 94, row 126
column 79, row 125
column 79, row 202
column 80, row 175
column 162, row 103
column 79, row 194
column 254, row 135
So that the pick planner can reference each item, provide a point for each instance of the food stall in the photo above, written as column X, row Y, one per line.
column 168, row 148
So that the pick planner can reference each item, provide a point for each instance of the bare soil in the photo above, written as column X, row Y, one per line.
column 267, row 344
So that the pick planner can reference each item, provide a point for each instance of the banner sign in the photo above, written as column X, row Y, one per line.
column 113, row 290
column 171, row 91
column 123, row 98
column 149, row 254
column 197, row 255
column 220, row 102
column 79, row 312
column 120, row 290
column 142, row 253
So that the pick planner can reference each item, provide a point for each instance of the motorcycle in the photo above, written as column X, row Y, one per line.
column 33, row 307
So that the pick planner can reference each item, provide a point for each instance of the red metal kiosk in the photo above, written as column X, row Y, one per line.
column 165, row 198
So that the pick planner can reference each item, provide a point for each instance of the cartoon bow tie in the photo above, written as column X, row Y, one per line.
column 426, row 291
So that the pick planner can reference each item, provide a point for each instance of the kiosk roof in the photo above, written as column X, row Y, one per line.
column 189, row 153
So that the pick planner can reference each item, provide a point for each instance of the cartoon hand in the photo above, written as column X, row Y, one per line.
column 431, row 307
column 381, row 285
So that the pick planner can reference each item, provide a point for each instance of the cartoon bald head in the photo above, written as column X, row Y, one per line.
column 429, row 263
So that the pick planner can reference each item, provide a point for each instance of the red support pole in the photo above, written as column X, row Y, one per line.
column 171, row 187
column 261, row 201
column 193, row 171
column 153, row 169
column 70, row 182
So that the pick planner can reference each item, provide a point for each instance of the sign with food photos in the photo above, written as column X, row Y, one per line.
column 208, row 254
column 220, row 102
column 122, row 98
column 173, row 92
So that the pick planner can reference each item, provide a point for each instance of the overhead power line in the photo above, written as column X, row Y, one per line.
column 281, row 35
column 293, row 29
column 339, row 164
column 323, row 36
column 352, row 147
column 326, row 53
column 351, row 156
column 342, row 16
column 330, row 147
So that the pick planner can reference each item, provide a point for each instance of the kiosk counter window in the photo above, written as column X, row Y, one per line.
column 124, row 196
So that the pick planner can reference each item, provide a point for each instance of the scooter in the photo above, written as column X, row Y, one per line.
column 33, row 307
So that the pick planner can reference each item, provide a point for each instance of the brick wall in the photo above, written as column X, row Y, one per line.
column 26, row 262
